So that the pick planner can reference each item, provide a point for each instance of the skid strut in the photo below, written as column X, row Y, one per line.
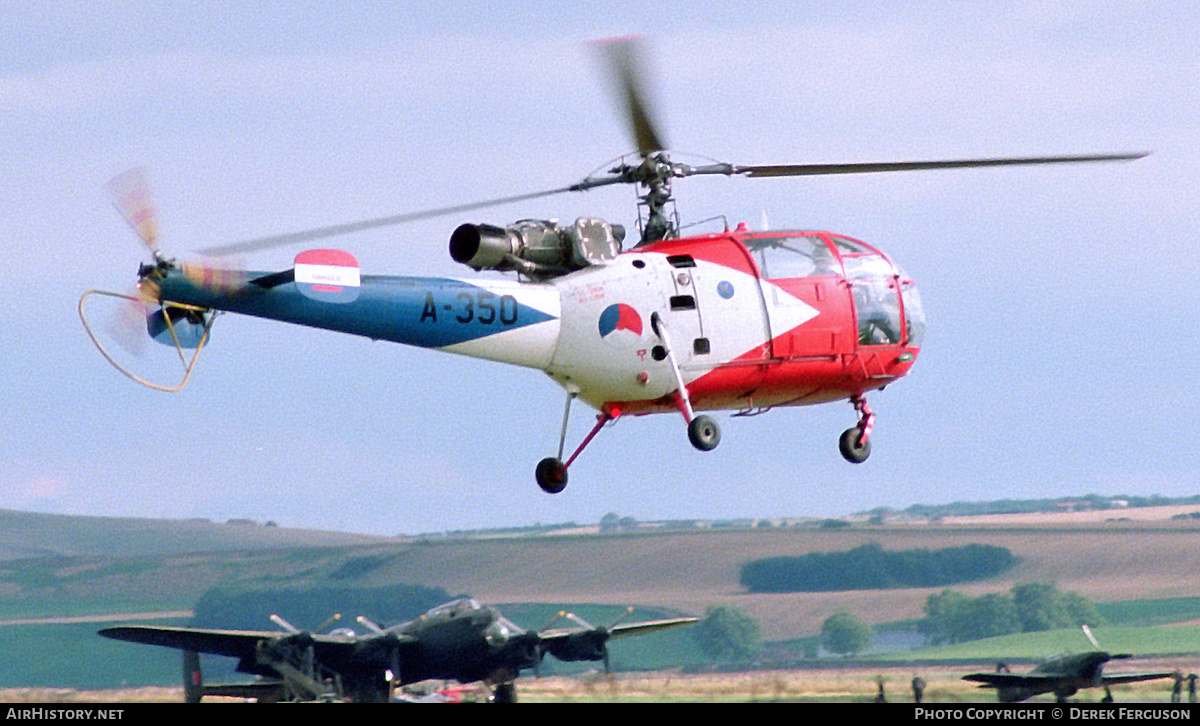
column 684, row 401
column 552, row 471
column 866, row 419
column 703, row 431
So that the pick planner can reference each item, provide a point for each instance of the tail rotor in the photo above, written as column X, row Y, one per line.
column 131, row 196
column 140, row 313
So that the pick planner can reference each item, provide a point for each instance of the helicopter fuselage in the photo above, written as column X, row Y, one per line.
column 748, row 320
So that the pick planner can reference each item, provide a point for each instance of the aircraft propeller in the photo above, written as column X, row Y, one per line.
column 626, row 70
column 130, row 195
column 139, row 313
column 595, row 637
column 1096, row 644
column 369, row 624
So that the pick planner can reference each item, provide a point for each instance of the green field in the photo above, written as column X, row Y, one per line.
column 1158, row 640
column 1151, row 612
column 74, row 655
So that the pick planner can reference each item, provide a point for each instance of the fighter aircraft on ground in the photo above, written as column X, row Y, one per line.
column 1063, row 676
column 462, row 640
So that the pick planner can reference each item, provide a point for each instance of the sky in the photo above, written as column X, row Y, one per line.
column 1060, row 359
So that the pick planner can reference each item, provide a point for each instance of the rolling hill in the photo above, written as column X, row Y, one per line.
column 74, row 566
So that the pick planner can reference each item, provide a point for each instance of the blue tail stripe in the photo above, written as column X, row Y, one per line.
column 424, row 311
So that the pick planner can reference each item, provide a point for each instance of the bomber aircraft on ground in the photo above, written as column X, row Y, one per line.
column 1063, row 676
column 462, row 640
column 737, row 320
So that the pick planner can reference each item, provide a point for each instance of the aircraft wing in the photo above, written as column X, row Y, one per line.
column 1116, row 678
column 1013, row 680
column 1028, row 680
column 231, row 643
column 648, row 626
column 616, row 631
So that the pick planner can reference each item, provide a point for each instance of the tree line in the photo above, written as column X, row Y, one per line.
column 953, row 617
column 1021, row 506
column 870, row 567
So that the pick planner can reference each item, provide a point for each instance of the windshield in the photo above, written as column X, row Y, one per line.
column 456, row 608
column 914, row 314
column 876, row 300
column 793, row 256
column 879, row 288
column 500, row 631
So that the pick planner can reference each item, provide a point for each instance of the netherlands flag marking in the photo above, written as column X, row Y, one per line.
column 327, row 275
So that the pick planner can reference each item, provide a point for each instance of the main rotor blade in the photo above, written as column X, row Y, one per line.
column 264, row 243
column 769, row 170
column 629, row 75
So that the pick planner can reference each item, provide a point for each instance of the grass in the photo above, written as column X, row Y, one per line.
column 47, row 656
column 828, row 685
column 1164, row 640
column 1151, row 612
column 58, row 655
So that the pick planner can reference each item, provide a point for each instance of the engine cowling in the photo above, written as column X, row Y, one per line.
column 584, row 645
column 538, row 249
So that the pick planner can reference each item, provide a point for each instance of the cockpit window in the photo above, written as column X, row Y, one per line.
column 863, row 267
column 876, row 300
column 878, row 309
column 500, row 630
column 877, row 285
column 846, row 246
column 793, row 256
column 861, row 262
column 914, row 314
column 457, row 608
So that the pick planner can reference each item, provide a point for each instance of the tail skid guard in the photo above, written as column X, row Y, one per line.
column 174, row 337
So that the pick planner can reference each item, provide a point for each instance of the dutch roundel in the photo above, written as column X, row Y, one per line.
column 620, row 316
column 327, row 275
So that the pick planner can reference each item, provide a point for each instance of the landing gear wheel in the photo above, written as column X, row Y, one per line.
column 506, row 692
column 704, row 433
column 551, row 475
column 850, row 448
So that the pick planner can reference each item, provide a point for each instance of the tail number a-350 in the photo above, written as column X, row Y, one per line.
column 482, row 307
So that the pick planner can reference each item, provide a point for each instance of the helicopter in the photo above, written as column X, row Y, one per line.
column 737, row 320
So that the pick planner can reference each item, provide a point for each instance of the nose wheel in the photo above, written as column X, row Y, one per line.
column 855, row 442
column 704, row 433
